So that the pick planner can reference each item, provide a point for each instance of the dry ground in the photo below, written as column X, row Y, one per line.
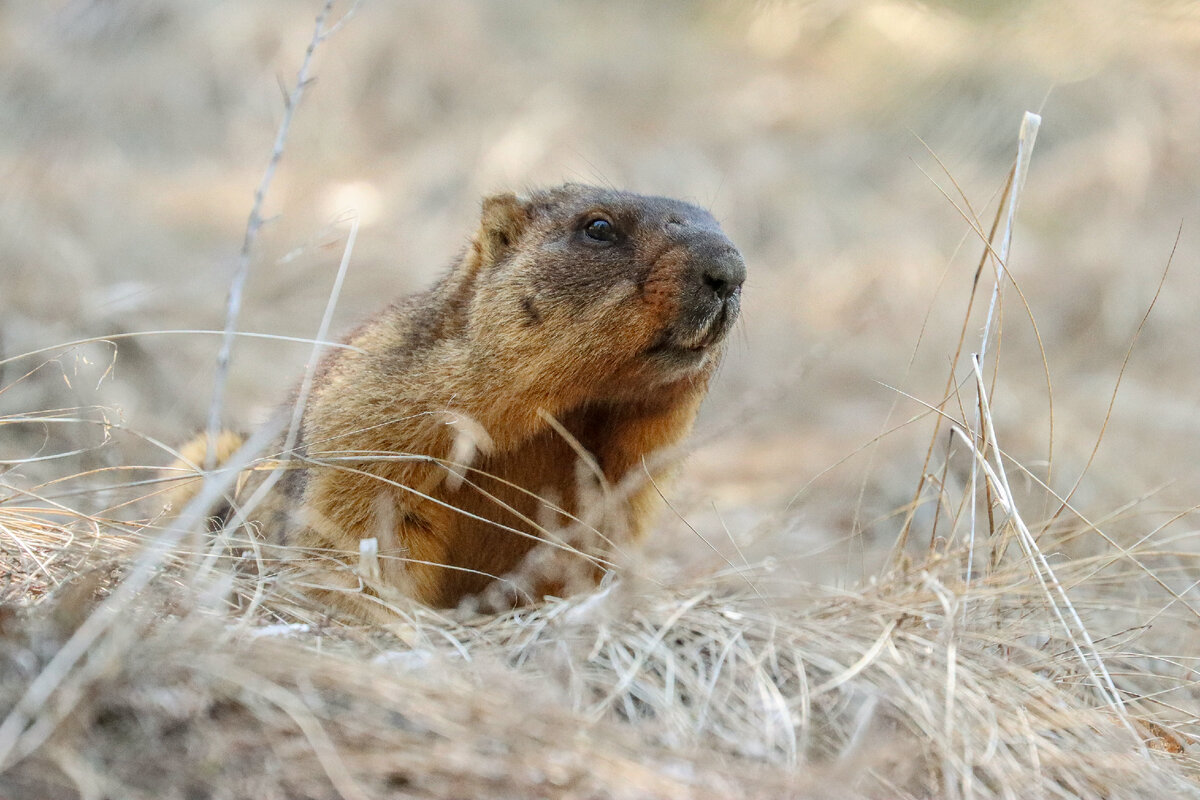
column 846, row 147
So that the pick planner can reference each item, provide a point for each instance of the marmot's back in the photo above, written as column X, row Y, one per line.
column 515, row 401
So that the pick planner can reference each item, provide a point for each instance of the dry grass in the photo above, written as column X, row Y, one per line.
column 1033, row 634
column 917, row 685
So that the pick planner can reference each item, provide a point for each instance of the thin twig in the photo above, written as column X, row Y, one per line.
column 253, row 225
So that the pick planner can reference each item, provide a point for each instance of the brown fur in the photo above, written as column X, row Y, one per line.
column 185, row 474
column 534, row 380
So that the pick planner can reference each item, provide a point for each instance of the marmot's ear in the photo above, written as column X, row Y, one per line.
column 502, row 222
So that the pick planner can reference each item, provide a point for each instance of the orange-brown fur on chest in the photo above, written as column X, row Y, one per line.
column 447, row 530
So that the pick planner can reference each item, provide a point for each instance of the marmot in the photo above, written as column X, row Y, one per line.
column 572, row 339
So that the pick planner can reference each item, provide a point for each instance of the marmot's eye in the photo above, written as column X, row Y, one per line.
column 601, row 230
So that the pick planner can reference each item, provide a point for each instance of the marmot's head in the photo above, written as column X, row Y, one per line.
column 612, row 289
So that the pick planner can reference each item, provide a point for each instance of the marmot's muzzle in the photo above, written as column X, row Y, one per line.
column 710, row 293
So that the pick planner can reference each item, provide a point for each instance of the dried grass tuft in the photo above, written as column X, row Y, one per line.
column 918, row 685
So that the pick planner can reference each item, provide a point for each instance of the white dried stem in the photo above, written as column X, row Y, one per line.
column 1025, row 141
column 1059, row 601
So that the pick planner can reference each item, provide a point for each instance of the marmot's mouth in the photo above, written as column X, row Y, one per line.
column 695, row 339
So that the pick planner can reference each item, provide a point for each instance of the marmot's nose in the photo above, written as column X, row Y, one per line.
column 725, row 274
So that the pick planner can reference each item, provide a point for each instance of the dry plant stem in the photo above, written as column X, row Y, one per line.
column 253, row 225
column 1006, row 209
column 972, row 219
column 949, row 635
column 293, row 430
column 1051, row 586
column 987, row 497
column 902, row 539
column 1025, row 141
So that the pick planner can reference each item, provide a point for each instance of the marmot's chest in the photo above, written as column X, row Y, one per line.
column 549, row 491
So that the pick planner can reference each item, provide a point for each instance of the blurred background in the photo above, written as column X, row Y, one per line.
column 830, row 138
